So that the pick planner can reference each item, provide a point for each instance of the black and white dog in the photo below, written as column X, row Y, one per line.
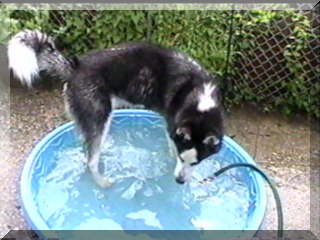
column 163, row 80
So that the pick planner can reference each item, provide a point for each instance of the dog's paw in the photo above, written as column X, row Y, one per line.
column 103, row 182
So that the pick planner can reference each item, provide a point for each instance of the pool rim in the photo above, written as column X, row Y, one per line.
column 34, row 218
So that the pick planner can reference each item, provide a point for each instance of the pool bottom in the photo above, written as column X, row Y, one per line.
column 143, row 196
column 143, row 182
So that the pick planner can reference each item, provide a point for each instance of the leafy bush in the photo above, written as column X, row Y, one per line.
column 202, row 34
column 5, row 25
column 81, row 31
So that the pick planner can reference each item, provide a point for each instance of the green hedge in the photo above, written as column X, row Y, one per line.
column 202, row 34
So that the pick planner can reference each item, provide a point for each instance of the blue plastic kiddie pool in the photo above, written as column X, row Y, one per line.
column 58, row 192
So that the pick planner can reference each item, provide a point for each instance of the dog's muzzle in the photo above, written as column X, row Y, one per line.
column 184, row 174
column 180, row 180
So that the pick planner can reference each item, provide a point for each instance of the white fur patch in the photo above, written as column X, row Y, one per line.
column 22, row 59
column 206, row 101
column 66, row 102
column 117, row 49
column 189, row 156
column 188, row 59
column 178, row 168
column 183, row 168
column 106, row 129
column 118, row 103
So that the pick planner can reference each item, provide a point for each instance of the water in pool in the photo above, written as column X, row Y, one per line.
column 139, row 159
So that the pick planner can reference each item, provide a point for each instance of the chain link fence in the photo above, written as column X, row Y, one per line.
column 276, row 56
column 267, row 57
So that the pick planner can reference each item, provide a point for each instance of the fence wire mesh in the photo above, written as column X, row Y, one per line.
column 267, row 57
column 265, row 66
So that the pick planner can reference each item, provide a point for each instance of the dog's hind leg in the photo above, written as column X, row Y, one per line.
column 94, row 150
column 91, row 110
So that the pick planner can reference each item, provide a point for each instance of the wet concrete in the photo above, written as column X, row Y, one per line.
column 281, row 146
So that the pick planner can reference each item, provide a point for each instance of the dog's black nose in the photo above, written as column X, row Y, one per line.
column 180, row 180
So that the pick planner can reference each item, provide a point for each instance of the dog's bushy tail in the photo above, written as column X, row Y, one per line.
column 33, row 55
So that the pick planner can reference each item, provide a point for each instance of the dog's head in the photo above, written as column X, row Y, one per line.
column 199, row 124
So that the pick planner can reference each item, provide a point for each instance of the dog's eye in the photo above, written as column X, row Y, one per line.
column 211, row 141
column 49, row 47
column 184, row 133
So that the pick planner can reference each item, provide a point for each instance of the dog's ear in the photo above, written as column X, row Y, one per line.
column 74, row 61
column 211, row 140
column 184, row 132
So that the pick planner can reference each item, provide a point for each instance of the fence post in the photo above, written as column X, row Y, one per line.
column 149, row 26
column 229, row 42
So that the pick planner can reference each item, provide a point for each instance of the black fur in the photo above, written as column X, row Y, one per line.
column 150, row 75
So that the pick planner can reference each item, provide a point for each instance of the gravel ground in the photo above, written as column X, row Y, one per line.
column 281, row 147
column 33, row 114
